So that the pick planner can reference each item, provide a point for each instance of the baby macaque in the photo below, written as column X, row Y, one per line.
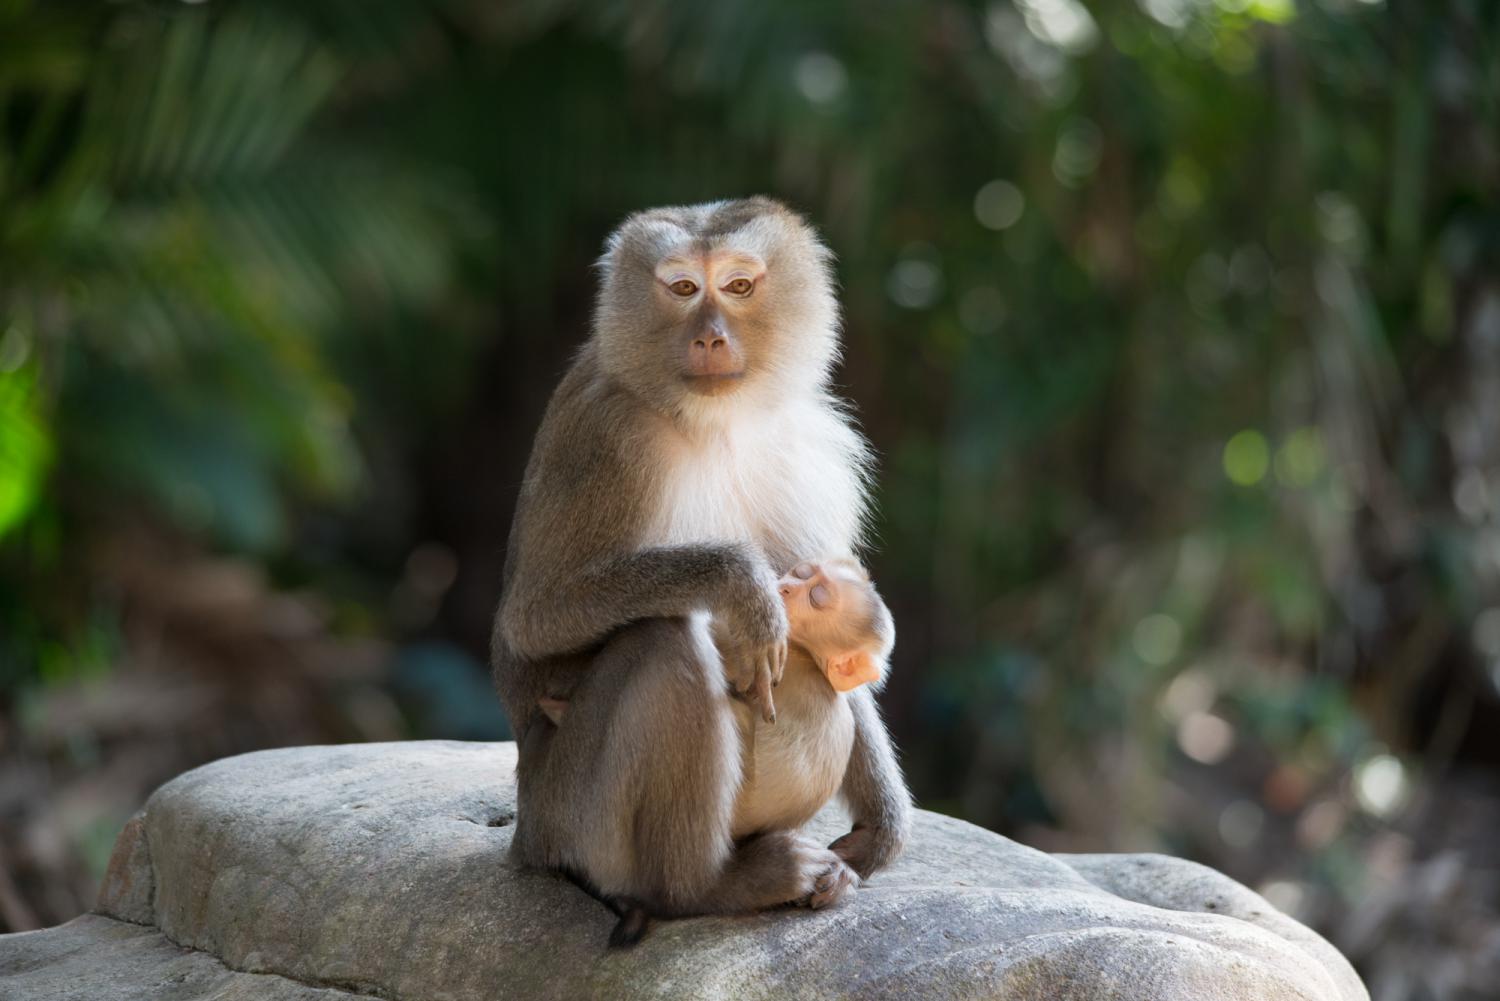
column 835, row 617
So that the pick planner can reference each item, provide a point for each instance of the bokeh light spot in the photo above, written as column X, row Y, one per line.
column 1240, row 823
column 916, row 280
column 1157, row 639
column 1192, row 691
column 1285, row 895
column 1079, row 146
column 1273, row 11
column 1487, row 632
column 1205, row 738
column 1247, row 456
column 999, row 205
column 1471, row 495
column 15, row 348
column 1301, row 458
column 1380, row 784
column 820, row 77
column 1064, row 24
column 1320, row 824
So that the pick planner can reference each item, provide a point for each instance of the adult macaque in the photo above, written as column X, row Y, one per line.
column 691, row 456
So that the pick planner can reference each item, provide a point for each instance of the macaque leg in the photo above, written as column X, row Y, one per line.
column 634, row 788
column 874, row 791
column 552, row 708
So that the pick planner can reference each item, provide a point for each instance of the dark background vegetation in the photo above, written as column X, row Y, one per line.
column 1176, row 325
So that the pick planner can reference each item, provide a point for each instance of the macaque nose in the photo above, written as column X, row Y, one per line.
column 785, row 589
column 713, row 352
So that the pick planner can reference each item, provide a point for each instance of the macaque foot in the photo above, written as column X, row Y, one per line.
column 778, row 868
column 867, row 849
column 832, row 885
column 822, row 878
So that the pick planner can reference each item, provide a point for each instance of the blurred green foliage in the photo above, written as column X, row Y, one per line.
column 1177, row 324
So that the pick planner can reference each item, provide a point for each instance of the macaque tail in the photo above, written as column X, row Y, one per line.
column 631, row 928
column 634, row 920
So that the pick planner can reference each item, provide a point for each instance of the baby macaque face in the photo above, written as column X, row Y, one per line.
column 832, row 611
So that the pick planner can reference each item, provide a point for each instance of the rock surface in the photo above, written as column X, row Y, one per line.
column 314, row 874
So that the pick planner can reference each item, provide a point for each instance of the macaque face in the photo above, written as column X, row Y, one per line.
column 712, row 293
column 829, row 608
column 710, row 300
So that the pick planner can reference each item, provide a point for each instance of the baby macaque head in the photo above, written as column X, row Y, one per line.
column 835, row 616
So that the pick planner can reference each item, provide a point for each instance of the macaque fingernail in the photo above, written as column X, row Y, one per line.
column 803, row 570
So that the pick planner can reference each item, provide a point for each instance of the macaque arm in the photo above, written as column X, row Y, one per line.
column 874, row 792
column 562, row 612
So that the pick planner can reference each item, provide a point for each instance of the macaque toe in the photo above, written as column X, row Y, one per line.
column 832, row 886
column 821, row 877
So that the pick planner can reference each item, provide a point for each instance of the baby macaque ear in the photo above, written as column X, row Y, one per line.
column 850, row 670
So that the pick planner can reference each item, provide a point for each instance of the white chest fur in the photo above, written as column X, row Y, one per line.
column 790, row 481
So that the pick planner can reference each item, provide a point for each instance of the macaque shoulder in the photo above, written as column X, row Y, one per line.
column 589, row 478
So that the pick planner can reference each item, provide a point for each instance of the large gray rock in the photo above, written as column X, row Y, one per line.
column 382, row 871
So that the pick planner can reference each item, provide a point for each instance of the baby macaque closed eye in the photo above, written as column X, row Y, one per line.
column 819, row 594
column 821, row 584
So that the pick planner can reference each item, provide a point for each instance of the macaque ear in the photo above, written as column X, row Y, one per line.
column 850, row 670
column 553, row 709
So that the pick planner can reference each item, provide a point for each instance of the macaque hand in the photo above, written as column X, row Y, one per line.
column 753, row 643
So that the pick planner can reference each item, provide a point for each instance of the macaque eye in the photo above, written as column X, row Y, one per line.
column 683, row 287
column 740, row 287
